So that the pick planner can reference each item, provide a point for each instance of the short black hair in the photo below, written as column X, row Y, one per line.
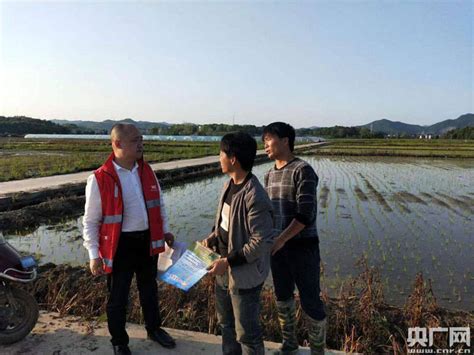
column 242, row 146
column 281, row 130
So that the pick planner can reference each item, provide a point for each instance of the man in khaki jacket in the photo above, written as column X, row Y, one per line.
column 243, row 236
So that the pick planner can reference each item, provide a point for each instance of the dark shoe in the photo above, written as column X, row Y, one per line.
column 162, row 337
column 122, row 350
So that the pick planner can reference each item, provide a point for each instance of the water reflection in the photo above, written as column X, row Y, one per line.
column 405, row 215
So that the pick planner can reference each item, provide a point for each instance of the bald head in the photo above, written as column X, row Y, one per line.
column 121, row 131
column 127, row 142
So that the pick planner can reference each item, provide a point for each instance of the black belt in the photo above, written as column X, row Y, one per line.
column 136, row 234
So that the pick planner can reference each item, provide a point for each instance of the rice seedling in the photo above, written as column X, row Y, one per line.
column 352, row 221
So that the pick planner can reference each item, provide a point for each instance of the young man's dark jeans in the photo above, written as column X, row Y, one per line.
column 299, row 265
column 239, row 319
column 132, row 257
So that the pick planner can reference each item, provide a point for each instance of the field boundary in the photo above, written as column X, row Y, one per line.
column 21, row 193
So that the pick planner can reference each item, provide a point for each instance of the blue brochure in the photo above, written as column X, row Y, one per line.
column 190, row 267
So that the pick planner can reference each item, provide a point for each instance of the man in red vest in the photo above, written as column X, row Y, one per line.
column 125, row 228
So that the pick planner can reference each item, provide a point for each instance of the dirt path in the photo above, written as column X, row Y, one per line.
column 51, row 182
column 70, row 335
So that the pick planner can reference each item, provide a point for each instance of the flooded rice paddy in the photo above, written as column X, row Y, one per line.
column 405, row 215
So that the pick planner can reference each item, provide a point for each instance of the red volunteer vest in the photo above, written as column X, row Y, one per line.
column 112, row 210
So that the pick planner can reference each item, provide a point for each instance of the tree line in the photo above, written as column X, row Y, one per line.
column 214, row 129
column 20, row 125
column 460, row 133
column 221, row 129
column 340, row 132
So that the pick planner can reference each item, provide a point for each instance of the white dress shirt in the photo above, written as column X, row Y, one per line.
column 135, row 217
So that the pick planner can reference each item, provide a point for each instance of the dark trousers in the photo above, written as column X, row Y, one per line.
column 132, row 257
column 238, row 315
column 299, row 265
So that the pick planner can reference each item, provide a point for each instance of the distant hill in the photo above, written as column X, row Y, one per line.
column 393, row 127
column 20, row 125
column 442, row 127
column 399, row 128
column 104, row 127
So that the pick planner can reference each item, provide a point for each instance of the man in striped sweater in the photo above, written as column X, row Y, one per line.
column 292, row 186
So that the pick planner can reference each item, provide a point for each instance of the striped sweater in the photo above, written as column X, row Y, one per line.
column 292, row 190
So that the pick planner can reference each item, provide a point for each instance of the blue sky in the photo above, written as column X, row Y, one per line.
column 313, row 63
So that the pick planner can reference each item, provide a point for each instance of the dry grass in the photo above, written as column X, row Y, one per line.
column 359, row 318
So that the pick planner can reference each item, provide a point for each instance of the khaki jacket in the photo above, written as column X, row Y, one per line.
column 250, row 230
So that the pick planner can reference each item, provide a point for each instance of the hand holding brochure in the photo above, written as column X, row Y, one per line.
column 190, row 267
column 170, row 256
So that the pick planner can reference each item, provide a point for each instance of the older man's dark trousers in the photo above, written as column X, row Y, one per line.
column 132, row 257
